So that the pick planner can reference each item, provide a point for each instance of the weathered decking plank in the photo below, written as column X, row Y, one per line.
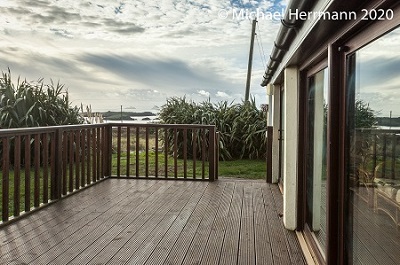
column 27, row 229
column 229, row 250
column 291, row 245
column 135, row 221
column 262, row 239
column 217, row 236
column 246, row 253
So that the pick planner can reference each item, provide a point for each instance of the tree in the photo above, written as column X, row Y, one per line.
column 364, row 115
column 34, row 104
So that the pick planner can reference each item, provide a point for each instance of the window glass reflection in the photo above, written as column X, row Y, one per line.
column 373, row 149
column 316, row 178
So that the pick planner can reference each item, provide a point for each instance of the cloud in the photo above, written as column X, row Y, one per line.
column 203, row 93
column 221, row 94
column 112, row 52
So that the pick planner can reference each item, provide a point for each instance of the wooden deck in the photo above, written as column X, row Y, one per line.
column 120, row 221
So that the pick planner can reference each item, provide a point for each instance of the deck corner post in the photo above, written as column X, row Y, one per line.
column 211, row 153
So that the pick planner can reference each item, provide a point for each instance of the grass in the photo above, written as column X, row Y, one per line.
column 247, row 169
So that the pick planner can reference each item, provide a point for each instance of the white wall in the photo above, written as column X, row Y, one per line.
column 275, row 139
column 290, row 146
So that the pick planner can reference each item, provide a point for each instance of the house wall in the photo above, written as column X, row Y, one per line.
column 290, row 136
column 276, row 133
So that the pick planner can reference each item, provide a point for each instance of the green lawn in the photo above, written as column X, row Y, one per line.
column 247, row 169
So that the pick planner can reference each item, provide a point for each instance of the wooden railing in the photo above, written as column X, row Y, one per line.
column 41, row 165
column 177, row 151
column 378, row 152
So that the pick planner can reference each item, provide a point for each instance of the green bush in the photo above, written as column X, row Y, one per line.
column 34, row 104
column 241, row 126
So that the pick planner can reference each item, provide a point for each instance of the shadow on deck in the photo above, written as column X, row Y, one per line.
column 120, row 221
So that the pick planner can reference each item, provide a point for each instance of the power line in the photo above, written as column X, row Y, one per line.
column 261, row 55
column 261, row 48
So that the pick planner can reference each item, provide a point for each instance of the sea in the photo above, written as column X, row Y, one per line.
column 137, row 119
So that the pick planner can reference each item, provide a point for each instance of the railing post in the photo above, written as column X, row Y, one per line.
column 56, row 177
column 217, row 155
column 108, row 150
column 269, row 136
column 211, row 153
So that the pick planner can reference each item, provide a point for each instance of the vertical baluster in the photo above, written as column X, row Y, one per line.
column 5, row 180
column 175, row 153
column 119, row 151
column 45, row 168
column 147, row 152
column 203, row 153
column 156, row 151
column 137, row 151
column 65, row 162
column 77, row 158
column 185, row 152
column 393, row 156
column 384, row 156
column 36, row 197
column 88, row 156
column 27, row 173
column 98, row 154
column 166, row 152
column 94, row 153
column 194, row 141
column 83, row 157
column 128, row 150
column 71, row 161
column 17, row 175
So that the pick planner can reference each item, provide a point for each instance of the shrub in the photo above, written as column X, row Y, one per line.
column 34, row 104
column 242, row 126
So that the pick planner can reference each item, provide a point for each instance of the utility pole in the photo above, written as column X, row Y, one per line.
column 121, row 113
column 253, row 34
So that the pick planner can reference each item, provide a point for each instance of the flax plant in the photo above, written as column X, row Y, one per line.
column 241, row 126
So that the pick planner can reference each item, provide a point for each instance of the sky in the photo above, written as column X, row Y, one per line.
column 378, row 80
column 138, row 53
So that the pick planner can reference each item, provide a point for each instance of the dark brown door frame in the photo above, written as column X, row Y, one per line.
column 348, row 40
column 305, row 74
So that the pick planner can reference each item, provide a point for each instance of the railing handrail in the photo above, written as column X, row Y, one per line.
column 162, row 125
column 47, row 129
column 377, row 130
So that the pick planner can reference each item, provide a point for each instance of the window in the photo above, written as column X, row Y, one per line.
column 316, row 170
column 373, row 149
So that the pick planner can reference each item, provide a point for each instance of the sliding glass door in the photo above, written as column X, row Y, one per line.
column 316, row 170
column 373, row 152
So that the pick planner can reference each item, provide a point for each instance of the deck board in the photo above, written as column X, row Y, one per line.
column 123, row 221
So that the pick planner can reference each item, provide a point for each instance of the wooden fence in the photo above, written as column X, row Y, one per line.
column 377, row 151
column 42, row 165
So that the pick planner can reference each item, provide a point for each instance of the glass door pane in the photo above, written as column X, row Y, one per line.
column 316, row 177
column 373, row 151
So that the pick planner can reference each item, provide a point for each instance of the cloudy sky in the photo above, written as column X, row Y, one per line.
column 138, row 53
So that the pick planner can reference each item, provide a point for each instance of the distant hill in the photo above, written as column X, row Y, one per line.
column 386, row 121
column 116, row 115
